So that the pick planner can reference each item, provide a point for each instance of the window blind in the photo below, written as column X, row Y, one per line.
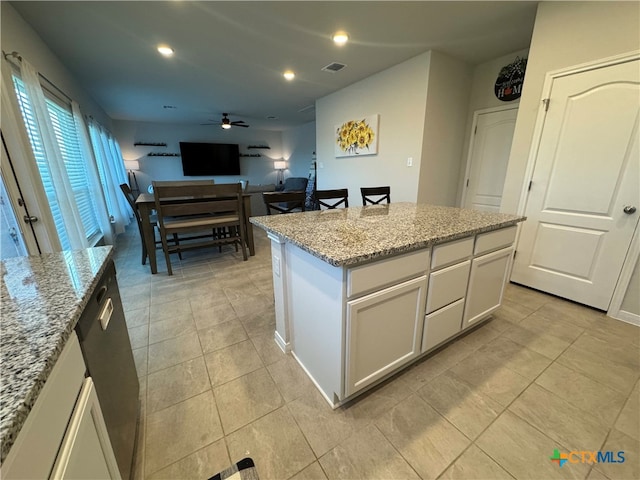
column 75, row 164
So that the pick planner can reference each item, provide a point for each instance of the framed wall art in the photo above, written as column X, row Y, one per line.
column 357, row 137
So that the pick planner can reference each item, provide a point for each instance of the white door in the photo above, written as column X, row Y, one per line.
column 490, row 148
column 17, row 236
column 585, row 187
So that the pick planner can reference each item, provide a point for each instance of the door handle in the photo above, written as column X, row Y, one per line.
column 629, row 209
column 30, row 219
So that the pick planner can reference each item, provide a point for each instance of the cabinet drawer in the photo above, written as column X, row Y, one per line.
column 447, row 285
column 442, row 325
column 487, row 242
column 451, row 252
column 374, row 276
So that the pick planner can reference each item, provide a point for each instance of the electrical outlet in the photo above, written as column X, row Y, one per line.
column 410, row 162
column 320, row 165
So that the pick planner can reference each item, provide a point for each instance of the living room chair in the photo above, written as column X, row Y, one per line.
column 331, row 199
column 369, row 195
column 284, row 202
column 293, row 184
column 196, row 208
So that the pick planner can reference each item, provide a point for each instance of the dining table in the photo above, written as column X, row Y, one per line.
column 145, row 202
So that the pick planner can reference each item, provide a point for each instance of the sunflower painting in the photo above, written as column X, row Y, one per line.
column 357, row 137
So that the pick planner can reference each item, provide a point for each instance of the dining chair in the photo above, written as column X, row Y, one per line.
column 131, row 200
column 368, row 192
column 196, row 208
column 284, row 202
column 331, row 199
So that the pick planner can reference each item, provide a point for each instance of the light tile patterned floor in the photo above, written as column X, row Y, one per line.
column 542, row 374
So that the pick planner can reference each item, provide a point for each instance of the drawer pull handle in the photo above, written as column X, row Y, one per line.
column 105, row 314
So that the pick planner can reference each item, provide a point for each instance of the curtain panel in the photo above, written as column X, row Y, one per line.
column 63, row 191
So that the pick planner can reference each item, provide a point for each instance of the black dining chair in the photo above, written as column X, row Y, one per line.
column 131, row 200
column 331, row 199
column 369, row 195
column 284, row 202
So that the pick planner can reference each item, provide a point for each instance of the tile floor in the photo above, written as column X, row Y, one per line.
column 542, row 374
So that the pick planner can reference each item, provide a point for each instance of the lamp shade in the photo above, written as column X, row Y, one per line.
column 280, row 165
column 132, row 164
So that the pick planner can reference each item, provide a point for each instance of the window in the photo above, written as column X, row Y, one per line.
column 68, row 143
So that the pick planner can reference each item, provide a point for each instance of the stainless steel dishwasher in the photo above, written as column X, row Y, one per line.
column 105, row 345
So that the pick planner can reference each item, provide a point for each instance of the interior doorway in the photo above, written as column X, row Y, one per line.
column 489, row 148
column 583, row 198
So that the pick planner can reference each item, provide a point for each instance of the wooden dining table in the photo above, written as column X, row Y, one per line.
column 146, row 204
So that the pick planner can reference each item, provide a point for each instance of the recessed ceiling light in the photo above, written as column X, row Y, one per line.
column 340, row 38
column 165, row 50
column 289, row 75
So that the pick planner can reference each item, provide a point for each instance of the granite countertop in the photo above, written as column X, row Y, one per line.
column 349, row 236
column 42, row 299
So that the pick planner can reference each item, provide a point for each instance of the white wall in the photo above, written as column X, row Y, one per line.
column 482, row 97
column 298, row 147
column 17, row 35
column 565, row 34
column 398, row 95
column 448, row 83
column 256, row 170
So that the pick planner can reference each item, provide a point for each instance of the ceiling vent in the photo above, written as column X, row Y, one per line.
column 333, row 67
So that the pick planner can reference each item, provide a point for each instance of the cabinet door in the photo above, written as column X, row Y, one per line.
column 384, row 331
column 86, row 450
column 486, row 284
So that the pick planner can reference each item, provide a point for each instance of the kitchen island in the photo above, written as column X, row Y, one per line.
column 362, row 292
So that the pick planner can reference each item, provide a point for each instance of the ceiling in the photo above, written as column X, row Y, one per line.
column 230, row 56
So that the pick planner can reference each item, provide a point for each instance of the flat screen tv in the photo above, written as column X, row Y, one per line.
column 205, row 159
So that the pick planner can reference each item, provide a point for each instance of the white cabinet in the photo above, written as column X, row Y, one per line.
column 86, row 450
column 383, row 332
column 486, row 285
column 63, row 419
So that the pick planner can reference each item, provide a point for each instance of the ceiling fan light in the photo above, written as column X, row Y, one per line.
column 226, row 126
column 289, row 75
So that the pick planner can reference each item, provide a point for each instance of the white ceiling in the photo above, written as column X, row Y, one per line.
column 230, row 55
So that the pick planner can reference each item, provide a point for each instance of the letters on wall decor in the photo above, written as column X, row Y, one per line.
column 509, row 83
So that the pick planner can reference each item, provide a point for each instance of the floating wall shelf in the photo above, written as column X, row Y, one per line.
column 150, row 144
column 157, row 154
column 259, row 146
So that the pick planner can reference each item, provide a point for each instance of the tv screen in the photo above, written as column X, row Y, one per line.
column 202, row 159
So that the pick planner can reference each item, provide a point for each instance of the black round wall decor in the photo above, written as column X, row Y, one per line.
column 509, row 83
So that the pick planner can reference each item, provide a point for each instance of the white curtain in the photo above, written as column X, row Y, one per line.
column 102, row 212
column 62, row 186
column 112, row 167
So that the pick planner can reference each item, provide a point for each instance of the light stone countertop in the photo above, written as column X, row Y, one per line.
column 42, row 299
column 348, row 236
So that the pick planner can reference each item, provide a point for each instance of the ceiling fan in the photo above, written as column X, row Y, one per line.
column 226, row 123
